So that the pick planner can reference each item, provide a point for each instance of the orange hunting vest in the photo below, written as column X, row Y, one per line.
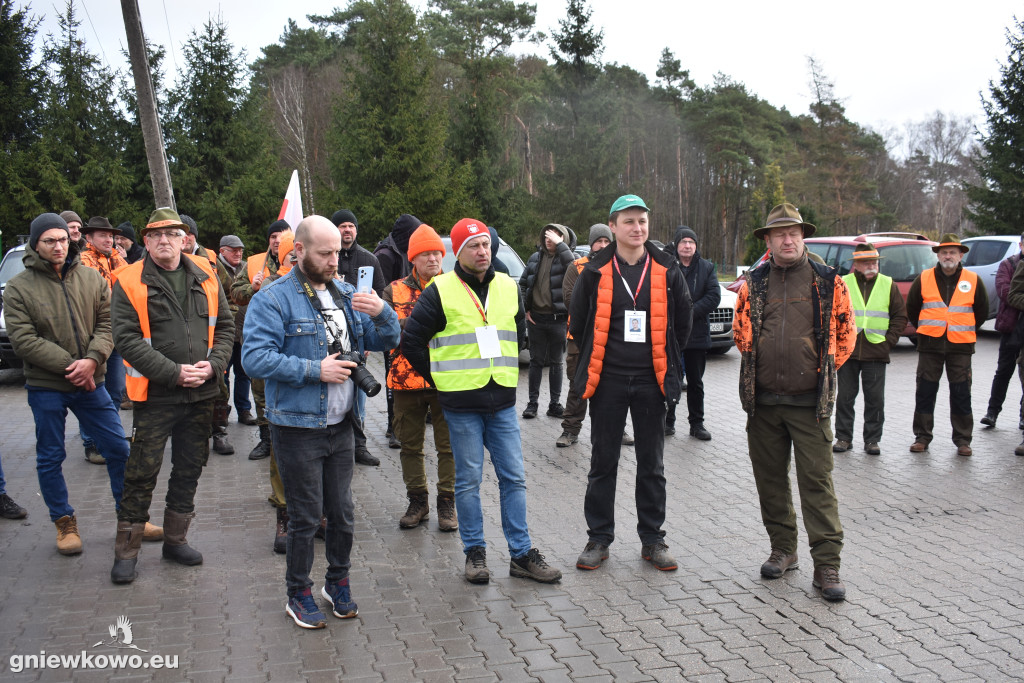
column 401, row 376
column 255, row 262
column 956, row 320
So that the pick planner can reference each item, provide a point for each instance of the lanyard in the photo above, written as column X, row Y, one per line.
column 643, row 275
column 476, row 301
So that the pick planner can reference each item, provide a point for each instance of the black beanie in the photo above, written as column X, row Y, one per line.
column 405, row 226
column 683, row 231
column 344, row 216
column 127, row 231
column 277, row 226
column 191, row 223
column 42, row 223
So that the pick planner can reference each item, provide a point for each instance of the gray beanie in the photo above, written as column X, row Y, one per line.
column 597, row 231
column 42, row 223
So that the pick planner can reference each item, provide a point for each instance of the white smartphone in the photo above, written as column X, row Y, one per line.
column 365, row 282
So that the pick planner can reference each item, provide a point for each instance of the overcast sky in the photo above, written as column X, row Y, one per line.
column 891, row 62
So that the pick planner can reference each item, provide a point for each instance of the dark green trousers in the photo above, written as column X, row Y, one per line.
column 188, row 427
column 958, row 373
column 773, row 433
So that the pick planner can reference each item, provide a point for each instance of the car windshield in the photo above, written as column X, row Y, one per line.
column 11, row 266
column 901, row 262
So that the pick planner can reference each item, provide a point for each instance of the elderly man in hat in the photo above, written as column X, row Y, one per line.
column 794, row 329
column 881, row 317
column 948, row 303
column 229, row 265
column 173, row 326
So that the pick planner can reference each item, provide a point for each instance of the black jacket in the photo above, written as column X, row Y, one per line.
column 564, row 256
column 351, row 260
column 705, row 293
column 427, row 319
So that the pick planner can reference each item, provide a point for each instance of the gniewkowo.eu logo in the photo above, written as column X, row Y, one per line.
column 121, row 638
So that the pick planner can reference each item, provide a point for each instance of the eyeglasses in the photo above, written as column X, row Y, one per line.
column 54, row 241
column 161, row 234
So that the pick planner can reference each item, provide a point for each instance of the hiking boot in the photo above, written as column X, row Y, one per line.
column 93, row 455
column 658, row 555
column 778, row 563
column 321, row 531
column 1019, row 450
column 11, row 510
column 918, row 447
column 627, row 439
column 841, row 446
column 176, row 547
column 419, row 510
column 126, row 551
column 68, row 540
column 447, row 518
column 246, row 418
column 363, row 457
column 964, row 449
column 872, row 448
column 990, row 418
column 340, row 595
column 531, row 410
column 826, row 579
column 555, row 410
column 302, row 608
column 592, row 556
column 476, row 565
column 152, row 533
column 220, row 441
column 699, row 432
column 262, row 449
column 281, row 532
column 670, row 429
column 532, row 566
column 393, row 441
column 566, row 439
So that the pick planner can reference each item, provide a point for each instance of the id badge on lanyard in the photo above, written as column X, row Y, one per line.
column 634, row 323
column 486, row 335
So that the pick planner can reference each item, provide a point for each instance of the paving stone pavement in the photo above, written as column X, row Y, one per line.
column 933, row 562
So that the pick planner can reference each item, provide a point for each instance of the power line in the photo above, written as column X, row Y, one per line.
column 170, row 38
column 95, row 33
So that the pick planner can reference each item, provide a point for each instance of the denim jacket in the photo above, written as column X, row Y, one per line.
column 285, row 340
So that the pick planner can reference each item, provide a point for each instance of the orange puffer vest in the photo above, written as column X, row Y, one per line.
column 401, row 376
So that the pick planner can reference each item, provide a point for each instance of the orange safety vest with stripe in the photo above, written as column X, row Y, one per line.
column 401, row 376
column 955, row 320
column 602, row 323
column 130, row 278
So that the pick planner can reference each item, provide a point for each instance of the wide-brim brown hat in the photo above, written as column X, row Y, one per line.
column 950, row 240
column 783, row 216
column 98, row 223
column 866, row 252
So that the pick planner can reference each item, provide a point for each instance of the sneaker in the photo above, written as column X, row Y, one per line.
column 592, row 556
column 555, row 410
column 841, row 446
column 658, row 555
column 11, row 510
column 990, row 419
column 363, row 457
column 826, row 579
column 778, row 563
column 531, row 411
column 340, row 595
column 532, row 566
column 627, row 439
column 302, row 608
column 93, row 455
column 68, row 540
column 872, row 449
column 699, row 432
column 476, row 565
column 566, row 439
column 393, row 441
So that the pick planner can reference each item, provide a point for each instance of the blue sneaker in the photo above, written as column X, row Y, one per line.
column 303, row 609
column 340, row 595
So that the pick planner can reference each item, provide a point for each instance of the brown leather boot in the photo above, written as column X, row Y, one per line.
column 68, row 540
column 153, row 533
column 281, row 532
column 126, row 551
column 176, row 546
column 447, row 518
column 419, row 510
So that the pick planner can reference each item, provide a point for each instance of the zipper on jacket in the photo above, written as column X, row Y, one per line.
column 71, row 314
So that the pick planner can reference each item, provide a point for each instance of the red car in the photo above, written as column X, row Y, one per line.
column 904, row 256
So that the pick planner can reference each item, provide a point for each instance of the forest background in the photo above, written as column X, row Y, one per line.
column 385, row 110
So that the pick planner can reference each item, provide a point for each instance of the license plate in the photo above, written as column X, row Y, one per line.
column 717, row 327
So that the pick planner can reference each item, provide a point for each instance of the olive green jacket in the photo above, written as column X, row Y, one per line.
column 179, row 337
column 54, row 320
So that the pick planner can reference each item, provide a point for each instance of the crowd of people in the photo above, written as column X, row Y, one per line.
column 103, row 323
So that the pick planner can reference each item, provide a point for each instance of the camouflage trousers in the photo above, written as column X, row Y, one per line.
column 188, row 427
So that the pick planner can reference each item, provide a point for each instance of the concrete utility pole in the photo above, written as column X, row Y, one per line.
column 163, row 192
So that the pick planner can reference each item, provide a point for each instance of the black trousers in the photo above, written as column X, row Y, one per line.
column 854, row 373
column 1007, row 363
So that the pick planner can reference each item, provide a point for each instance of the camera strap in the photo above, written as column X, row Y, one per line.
column 335, row 293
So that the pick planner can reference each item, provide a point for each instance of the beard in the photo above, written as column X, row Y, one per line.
column 319, row 276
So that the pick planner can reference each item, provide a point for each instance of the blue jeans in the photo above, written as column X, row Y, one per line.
column 499, row 432
column 114, row 382
column 240, row 393
column 3, row 483
column 95, row 413
column 316, row 470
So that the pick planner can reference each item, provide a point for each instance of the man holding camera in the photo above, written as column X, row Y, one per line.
column 298, row 330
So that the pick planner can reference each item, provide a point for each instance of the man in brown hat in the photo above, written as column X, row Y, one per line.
column 794, row 329
column 881, row 317
column 947, row 303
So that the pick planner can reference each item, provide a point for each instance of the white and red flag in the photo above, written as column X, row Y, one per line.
column 291, row 209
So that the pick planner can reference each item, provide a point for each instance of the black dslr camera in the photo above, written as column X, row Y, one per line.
column 360, row 375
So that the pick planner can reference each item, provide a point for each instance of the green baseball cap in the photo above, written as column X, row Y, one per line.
column 628, row 201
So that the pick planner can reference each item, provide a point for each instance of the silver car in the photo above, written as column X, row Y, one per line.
column 986, row 254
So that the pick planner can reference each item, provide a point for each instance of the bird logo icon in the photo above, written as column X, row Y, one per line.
column 121, row 635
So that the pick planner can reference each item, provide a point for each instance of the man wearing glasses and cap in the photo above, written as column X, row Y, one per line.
column 881, row 317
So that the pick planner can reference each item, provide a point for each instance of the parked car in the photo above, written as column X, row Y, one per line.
column 984, row 258
column 904, row 256
column 720, row 321
column 9, row 267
